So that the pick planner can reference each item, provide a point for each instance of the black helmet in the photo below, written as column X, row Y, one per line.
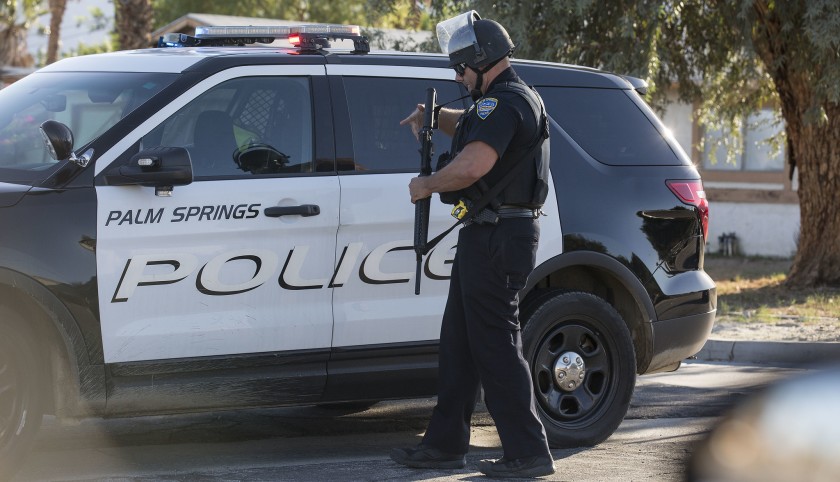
column 468, row 39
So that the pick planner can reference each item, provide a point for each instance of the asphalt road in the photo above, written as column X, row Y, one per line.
column 669, row 414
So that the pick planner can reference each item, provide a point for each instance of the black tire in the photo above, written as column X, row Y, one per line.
column 21, row 393
column 589, row 411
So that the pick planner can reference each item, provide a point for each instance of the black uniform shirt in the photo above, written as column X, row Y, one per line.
column 503, row 120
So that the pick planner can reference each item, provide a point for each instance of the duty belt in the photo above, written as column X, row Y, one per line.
column 491, row 216
column 509, row 211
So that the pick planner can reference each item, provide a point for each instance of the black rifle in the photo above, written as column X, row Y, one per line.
column 422, row 206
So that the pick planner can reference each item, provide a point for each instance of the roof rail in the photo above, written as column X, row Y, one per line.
column 639, row 85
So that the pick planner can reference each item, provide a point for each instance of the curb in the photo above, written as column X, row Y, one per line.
column 789, row 352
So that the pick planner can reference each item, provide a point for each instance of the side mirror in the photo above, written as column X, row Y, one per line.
column 159, row 167
column 58, row 138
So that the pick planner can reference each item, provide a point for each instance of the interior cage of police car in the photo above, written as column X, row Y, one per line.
column 267, row 120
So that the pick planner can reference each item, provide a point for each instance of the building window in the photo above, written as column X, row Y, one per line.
column 755, row 152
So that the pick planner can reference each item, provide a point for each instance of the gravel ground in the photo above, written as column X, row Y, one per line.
column 826, row 330
column 755, row 306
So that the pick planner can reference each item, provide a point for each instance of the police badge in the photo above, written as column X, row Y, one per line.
column 486, row 106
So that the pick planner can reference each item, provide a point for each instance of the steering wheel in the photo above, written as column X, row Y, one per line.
column 260, row 158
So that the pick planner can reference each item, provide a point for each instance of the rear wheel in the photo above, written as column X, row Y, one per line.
column 21, row 393
column 583, row 366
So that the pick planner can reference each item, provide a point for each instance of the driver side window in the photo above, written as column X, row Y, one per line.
column 244, row 127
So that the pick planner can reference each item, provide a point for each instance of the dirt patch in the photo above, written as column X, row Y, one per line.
column 741, row 268
column 826, row 331
column 754, row 304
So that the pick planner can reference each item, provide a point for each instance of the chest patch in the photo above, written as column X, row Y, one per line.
column 486, row 107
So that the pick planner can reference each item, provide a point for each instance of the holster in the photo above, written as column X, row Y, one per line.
column 486, row 216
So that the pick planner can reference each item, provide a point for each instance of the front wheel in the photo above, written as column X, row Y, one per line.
column 21, row 393
column 583, row 367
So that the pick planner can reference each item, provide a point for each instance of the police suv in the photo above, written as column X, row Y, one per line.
column 211, row 225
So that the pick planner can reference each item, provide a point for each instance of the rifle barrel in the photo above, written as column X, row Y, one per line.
column 422, row 207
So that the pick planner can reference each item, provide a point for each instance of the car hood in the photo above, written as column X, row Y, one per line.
column 10, row 194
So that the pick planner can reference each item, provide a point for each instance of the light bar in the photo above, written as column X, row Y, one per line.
column 327, row 29
column 275, row 31
column 244, row 31
column 311, row 37
column 172, row 40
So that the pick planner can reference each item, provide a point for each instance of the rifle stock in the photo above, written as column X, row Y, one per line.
column 422, row 206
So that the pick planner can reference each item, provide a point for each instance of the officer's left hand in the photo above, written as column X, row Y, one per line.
column 418, row 190
column 415, row 120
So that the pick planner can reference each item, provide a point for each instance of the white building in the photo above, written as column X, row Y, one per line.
column 754, row 198
column 77, row 28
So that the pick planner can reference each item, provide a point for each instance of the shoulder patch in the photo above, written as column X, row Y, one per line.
column 486, row 107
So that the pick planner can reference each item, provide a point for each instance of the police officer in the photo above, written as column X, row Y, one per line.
column 480, row 342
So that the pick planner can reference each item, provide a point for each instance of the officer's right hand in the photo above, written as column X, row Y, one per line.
column 415, row 120
column 418, row 189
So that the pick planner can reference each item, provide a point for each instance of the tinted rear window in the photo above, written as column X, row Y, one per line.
column 609, row 126
column 377, row 105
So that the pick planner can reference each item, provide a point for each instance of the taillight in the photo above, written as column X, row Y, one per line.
column 691, row 192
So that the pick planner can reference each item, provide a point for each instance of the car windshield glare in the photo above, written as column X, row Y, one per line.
column 89, row 103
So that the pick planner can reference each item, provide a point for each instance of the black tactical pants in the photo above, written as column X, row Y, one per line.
column 480, row 342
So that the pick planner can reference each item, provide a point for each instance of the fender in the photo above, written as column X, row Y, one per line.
column 89, row 379
column 607, row 263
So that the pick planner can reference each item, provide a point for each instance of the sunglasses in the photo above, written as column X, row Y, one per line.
column 460, row 69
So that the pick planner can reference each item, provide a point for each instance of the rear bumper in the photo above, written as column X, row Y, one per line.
column 679, row 338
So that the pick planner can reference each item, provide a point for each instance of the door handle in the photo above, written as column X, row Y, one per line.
column 304, row 210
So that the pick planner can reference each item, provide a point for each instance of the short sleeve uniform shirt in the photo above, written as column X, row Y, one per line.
column 501, row 119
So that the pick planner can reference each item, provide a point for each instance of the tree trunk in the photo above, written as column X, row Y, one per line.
column 813, row 131
column 57, row 8
column 133, row 21
column 13, row 46
column 816, row 149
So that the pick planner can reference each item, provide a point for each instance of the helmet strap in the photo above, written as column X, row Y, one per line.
column 479, row 79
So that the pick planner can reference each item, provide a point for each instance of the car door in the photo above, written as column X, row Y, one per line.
column 376, row 304
column 237, row 262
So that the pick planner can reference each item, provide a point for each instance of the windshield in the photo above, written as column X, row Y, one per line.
column 89, row 103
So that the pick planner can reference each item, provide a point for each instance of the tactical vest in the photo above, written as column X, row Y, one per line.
column 530, row 187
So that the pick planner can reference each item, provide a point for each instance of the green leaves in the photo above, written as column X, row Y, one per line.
column 15, row 17
column 371, row 13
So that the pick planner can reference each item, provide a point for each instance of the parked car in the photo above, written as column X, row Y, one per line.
column 210, row 225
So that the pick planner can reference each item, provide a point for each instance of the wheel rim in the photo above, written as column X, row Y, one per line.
column 574, row 373
column 11, row 399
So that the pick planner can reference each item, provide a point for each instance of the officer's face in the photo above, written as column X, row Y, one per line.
column 468, row 78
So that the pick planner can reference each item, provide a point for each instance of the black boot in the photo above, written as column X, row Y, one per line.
column 524, row 467
column 426, row 457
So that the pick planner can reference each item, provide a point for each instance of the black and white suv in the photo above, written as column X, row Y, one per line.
column 232, row 228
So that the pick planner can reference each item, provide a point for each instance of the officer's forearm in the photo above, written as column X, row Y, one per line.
column 450, row 178
column 448, row 119
column 469, row 166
